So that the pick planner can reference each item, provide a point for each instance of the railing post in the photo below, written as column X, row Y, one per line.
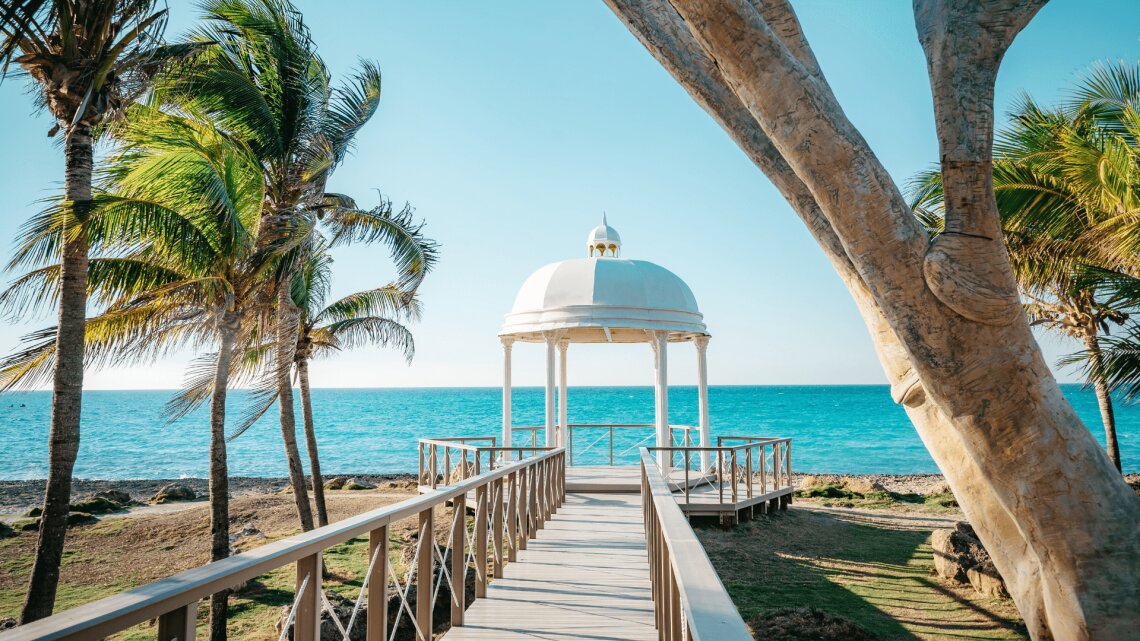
column 532, row 491
column 497, row 499
column 524, row 508
column 307, row 620
column 447, row 465
column 458, row 560
column 674, row 607
column 481, row 522
column 178, row 625
column 432, row 465
column 424, row 572
column 748, row 461
column 512, row 517
column 377, row 623
column 420, row 478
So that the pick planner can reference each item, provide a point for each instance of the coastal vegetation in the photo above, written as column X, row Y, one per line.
column 87, row 61
column 209, row 231
column 1067, row 181
column 945, row 315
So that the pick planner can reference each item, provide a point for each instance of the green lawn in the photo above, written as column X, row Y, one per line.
column 877, row 577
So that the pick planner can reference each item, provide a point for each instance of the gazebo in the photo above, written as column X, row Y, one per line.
column 605, row 298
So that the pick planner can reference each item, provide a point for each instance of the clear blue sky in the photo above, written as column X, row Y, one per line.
column 512, row 125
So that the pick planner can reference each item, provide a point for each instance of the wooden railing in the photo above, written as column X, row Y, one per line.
column 593, row 435
column 456, row 458
column 689, row 600
column 512, row 503
column 740, row 469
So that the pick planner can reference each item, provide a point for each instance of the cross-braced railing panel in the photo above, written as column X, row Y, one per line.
column 511, row 503
column 739, row 469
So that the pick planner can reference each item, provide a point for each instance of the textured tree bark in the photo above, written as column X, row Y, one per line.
column 1104, row 400
column 219, row 471
column 311, row 443
column 1063, row 530
column 67, row 380
column 286, row 340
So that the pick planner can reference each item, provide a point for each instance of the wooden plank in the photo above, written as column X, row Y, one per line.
column 584, row 577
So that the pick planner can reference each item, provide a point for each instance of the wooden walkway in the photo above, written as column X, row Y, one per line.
column 585, row 578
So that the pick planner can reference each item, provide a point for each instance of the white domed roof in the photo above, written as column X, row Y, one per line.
column 604, row 300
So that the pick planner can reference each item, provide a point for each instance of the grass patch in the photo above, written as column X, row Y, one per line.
column 875, row 577
column 836, row 495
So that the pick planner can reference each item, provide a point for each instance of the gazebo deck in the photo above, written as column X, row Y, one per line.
column 583, row 577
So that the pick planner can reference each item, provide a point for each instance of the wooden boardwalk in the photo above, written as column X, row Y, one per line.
column 585, row 578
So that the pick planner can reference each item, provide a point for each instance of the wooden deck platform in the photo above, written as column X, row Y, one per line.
column 586, row 577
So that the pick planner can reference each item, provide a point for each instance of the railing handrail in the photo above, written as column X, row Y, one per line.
column 121, row 611
column 709, row 611
column 598, row 425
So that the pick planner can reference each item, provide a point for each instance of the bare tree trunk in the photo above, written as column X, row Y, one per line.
column 311, row 444
column 946, row 320
column 286, row 341
column 67, row 380
column 1104, row 399
column 219, row 472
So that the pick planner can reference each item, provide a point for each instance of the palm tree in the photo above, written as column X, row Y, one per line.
column 177, row 264
column 86, row 60
column 372, row 317
column 1068, row 189
column 265, row 84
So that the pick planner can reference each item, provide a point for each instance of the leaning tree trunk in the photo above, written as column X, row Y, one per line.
column 67, row 380
column 946, row 320
column 219, row 472
column 1103, row 399
column 311, row 443
column 286, row 340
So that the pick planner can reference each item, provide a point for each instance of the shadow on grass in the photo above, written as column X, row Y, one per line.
column 874, row 576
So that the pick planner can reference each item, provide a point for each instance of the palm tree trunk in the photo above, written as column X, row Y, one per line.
column 1104, row 399
column 219, row 474
column 67, row 382
column 311, row 444
column 286, row 340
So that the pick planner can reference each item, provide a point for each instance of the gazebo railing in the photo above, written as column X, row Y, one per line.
column 448, row 460
column 738, row 471
column 609, row 439
column 513, row 503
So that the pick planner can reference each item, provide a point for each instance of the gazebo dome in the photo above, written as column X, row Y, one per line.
column 604, row 299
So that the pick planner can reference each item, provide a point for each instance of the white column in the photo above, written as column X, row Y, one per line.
column 551, row 344
column 702, row 343
column 660, row 343
column 562, row 424
column 508, row 343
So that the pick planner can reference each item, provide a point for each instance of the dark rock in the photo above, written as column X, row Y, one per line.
column 800, row 624
column 334, row 483
column 357, row 484
column 174, row 492
column 959, row 556
column 8, row 624
column 118, row 496
column 5, row 532
column 80, row 518
column 27, row 525
column 34, row 512
column 96, row 505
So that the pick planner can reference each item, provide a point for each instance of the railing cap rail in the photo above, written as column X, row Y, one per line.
column 120, row 611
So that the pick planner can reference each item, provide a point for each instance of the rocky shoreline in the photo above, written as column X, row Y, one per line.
column 19, row 496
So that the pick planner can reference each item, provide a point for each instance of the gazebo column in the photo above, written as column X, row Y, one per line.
column 702, row 343
column 563, row 427
column 508, row 343
column 551, row 344
column 660, row 342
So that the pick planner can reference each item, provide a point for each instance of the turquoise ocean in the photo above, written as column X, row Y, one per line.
column 843, row 429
